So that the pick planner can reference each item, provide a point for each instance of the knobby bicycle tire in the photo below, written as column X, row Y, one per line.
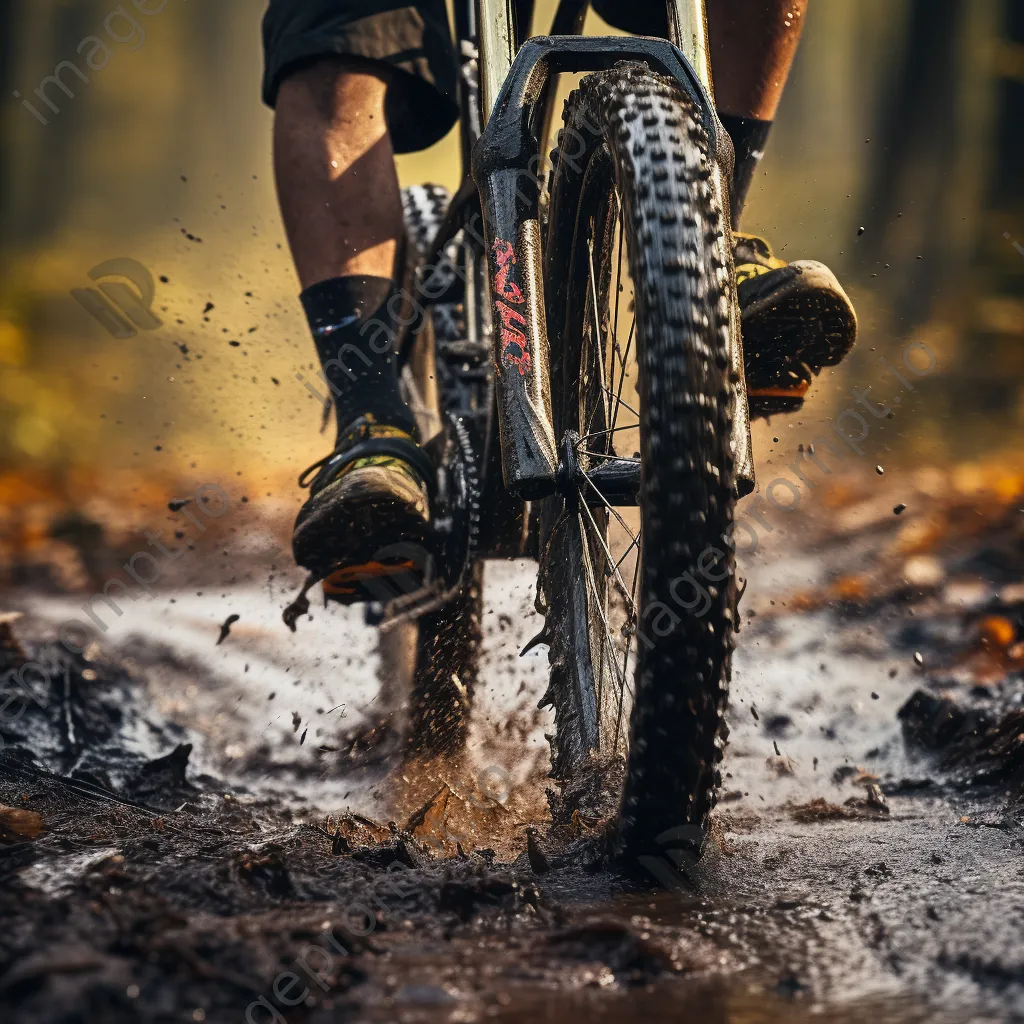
column 432, row 663
column 632, row 152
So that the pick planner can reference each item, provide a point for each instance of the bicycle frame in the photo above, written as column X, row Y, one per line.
column 507, row 94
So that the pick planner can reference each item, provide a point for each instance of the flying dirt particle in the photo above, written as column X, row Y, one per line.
column 874, row 696
column 860, row 231
column 776, row 746
column 777, row 725
column 164, row 279
column 234, row 344
column 207, row 308
column 178, row 504
column 815, row 764
column 876, row 798
column 780, row 765
column 892, row 673
column 775, row 439
column 899, row 509
column 432, row 813
column 918, row 658
column 879, row 470
column 276, row 381
column 226, row 628
column 753, row 711
column 538, row 861
column 302, row 738
column 296, row 721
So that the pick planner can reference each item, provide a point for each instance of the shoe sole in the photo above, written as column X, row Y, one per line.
column 341, row 537
column 813, row 318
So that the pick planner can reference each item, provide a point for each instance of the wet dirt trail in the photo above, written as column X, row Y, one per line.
column 184, row 838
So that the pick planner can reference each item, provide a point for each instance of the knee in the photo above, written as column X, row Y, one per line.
column 336, row 84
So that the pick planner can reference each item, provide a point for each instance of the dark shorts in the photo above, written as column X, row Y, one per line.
column 414, row 40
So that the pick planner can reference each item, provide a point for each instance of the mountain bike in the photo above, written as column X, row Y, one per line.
column 576, row 364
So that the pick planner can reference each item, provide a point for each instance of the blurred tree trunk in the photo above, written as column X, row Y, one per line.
column 7, row 39
column 914, row 149
column 1007, row 188
column 39, row 159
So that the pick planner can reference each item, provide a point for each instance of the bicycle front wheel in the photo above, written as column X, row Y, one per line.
column 639, row 599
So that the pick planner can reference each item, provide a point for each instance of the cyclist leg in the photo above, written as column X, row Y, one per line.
column 796, row 317
column 353, row 82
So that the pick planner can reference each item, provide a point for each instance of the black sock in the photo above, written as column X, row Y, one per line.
column 749, row 136
column 355, row 337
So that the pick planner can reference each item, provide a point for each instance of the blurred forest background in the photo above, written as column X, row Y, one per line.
column 904, row 117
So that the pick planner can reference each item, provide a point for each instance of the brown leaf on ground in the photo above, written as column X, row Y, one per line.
column 17, row 825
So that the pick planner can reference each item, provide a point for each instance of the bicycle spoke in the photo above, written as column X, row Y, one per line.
column 600, row 609
column 610, row 430
column 622, row 373
column 629, row 644
column 599, row 353
column 608, row 554
column 604, row 501
column 589, row 571
column 610, row 458
column 634, row 543
column 621, row 402
column 618, row 286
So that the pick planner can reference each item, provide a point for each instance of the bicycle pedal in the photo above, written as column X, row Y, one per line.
column 473, row 352
column 382, row 582
column 776, row 401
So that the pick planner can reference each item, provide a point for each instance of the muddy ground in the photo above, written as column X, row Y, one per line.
column 186, row 839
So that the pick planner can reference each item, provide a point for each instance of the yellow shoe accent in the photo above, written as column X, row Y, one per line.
column 374, row 430
column 745, row 271
column 767, row 261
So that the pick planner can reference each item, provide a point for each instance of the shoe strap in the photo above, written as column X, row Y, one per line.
column 331, row 466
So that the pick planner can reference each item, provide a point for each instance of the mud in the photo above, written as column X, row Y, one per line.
column 206, row 852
